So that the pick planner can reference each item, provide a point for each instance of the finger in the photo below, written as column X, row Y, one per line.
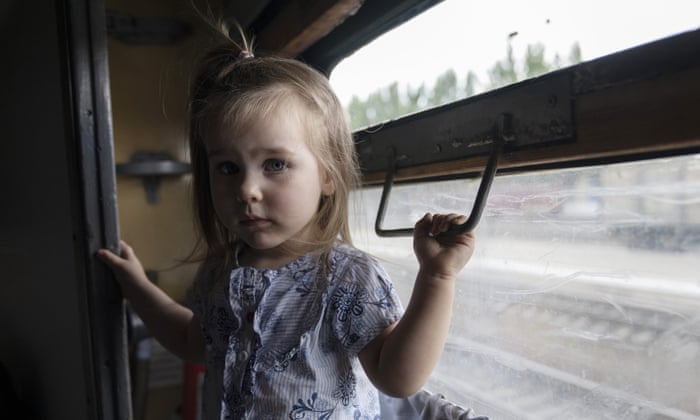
column 126, row 251
column 458, row 218
column 455, row 220
column 423, row 225
column 109, row 258
column 443, row 222
column 436, row 225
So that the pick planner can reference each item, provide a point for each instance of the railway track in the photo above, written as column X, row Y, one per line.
column 563, row 357
column 506, row 386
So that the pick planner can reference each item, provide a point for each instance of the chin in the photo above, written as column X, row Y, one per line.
column 260, row 244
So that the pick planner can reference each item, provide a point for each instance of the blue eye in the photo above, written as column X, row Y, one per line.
column 275, row 165
column 227, row 168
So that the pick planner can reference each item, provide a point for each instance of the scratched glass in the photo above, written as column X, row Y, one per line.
column 582, row 300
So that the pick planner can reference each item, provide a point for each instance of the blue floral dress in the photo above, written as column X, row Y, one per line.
column 282, row 345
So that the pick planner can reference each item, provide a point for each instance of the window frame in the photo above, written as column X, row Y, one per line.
column 629, row 105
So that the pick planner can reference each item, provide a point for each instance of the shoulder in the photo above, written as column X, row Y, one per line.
column 345, row 252
column 351, row 264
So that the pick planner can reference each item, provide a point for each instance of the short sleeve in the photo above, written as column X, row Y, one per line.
column 362, row 302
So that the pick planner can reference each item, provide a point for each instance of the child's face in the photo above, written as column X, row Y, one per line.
column 266, row 183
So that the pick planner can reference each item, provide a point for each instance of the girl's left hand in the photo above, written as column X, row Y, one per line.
column 440, row 254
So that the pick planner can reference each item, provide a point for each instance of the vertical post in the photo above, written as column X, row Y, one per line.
column 85, row 44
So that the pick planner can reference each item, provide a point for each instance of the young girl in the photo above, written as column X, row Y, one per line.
column 289, row 318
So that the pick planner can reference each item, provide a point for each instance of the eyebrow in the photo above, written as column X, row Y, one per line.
column 266, row 150
column 215, row 152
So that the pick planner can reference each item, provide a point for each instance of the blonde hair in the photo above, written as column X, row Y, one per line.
column 236, row 89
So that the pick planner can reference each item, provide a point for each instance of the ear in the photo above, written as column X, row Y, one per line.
column 328, row 186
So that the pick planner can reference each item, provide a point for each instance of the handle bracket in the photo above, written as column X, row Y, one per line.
column 503, row 131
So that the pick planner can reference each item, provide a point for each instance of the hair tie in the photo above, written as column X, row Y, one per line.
column 245, row 54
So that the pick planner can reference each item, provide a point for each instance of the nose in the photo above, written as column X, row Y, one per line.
column 249, row 190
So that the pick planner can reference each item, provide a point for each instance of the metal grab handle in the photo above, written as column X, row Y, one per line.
column 502, row 133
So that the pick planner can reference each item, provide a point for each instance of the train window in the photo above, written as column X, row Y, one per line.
column 457, row 49
column 581, row 300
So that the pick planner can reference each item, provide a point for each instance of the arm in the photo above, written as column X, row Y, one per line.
column 172, row 324
column 401, row 359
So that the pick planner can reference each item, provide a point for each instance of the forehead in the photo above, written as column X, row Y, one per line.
column 282, row 128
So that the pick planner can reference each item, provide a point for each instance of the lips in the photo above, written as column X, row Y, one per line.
column 252, row 221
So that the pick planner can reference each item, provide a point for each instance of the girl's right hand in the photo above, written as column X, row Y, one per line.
column 126, row 267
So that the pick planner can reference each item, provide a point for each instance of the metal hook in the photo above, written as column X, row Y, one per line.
column 502, row 133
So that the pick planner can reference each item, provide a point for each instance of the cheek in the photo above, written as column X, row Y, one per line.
column 284, row 200
column 222, row 200
column 298, row 201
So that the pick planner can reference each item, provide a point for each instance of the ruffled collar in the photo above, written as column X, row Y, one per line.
column 303, row 261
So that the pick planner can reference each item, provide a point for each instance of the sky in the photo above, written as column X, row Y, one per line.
column 473, row 35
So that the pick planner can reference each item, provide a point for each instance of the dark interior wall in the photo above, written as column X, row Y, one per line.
column 42, row 333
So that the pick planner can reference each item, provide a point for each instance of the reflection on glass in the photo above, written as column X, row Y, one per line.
column 460, row 48
column 583, row 298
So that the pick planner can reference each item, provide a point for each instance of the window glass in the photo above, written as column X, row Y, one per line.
column 582, row 299
column 460, row 48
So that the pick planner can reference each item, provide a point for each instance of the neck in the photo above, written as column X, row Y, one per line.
column 268, row 258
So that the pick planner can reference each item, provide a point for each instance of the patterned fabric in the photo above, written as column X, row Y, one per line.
column 281, row 344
